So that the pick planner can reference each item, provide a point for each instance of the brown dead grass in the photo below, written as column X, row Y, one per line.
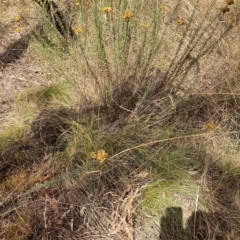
column 43, row 202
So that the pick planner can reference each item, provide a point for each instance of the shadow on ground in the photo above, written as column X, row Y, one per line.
column 15, row 50
column 199, row 226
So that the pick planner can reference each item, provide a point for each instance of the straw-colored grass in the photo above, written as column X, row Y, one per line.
column 133, row 133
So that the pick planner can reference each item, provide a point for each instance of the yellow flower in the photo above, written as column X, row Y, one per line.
column 145, row 26
column 78, row 30
column 164, row 8
column 211, row 126
column 180, row 21
column 107, row 9
column 17, row 18
column 229, row 2
column 100, row 155
column 77, row 3
column 17, row 30
column 127, row 16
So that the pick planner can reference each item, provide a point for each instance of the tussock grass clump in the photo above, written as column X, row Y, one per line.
column 107, row 40
column 132, row 152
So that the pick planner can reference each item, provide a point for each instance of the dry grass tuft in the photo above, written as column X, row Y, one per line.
column 51, row 125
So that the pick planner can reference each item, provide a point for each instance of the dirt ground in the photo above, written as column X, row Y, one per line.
column 19, row 66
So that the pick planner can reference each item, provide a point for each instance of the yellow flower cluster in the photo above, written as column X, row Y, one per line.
column 17, row 30
column 128, row 15
column 100, row 155
column 211, row 126
column 77, row 3
column 17, row 18
column 180, row 21
column 77, row 30
column 107, row 9
column 164, row 8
